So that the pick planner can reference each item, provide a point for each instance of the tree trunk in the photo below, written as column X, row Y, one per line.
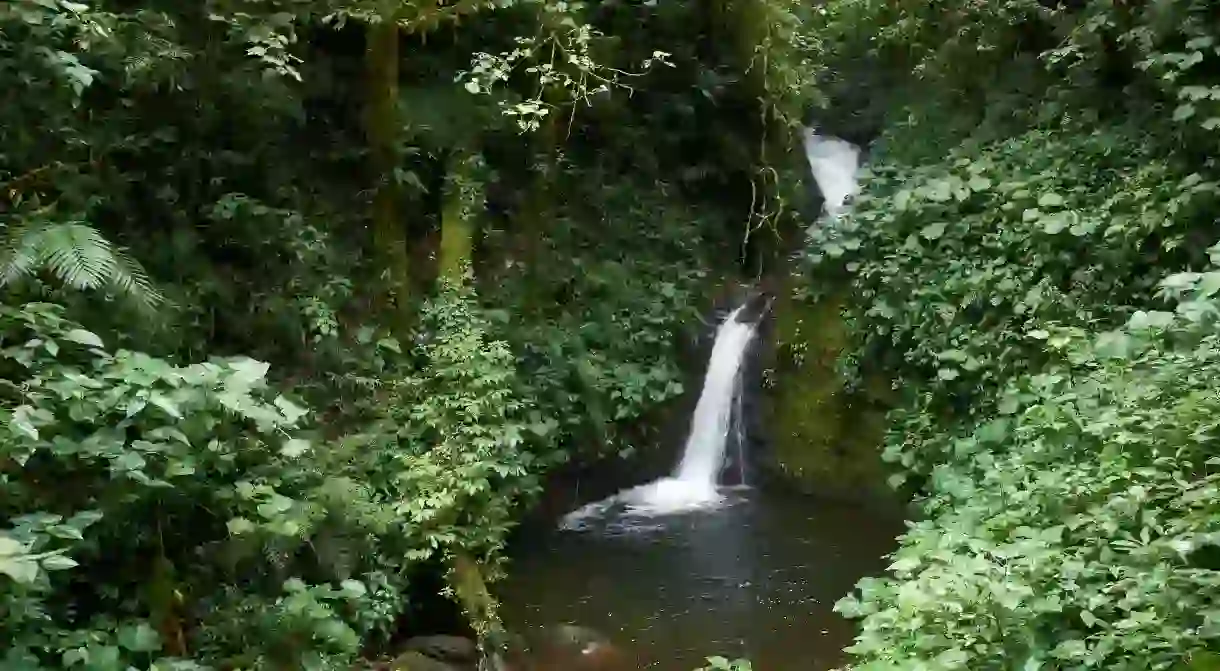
column 382, row 133
column 463, row 201
column 480, row 606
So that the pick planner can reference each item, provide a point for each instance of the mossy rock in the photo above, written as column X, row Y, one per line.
column 823, row 438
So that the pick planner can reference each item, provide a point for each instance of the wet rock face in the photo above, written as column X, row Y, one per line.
column 822, row 437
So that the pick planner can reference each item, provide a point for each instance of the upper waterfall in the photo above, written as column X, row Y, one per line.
column 834, row 164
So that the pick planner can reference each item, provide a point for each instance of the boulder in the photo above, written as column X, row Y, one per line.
column 452, row 649
column 413, row 660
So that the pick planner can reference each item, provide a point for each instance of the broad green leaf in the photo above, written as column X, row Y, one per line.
column 294, row 448
column 20, row 423
column 66, row 532
column 1209, row 284
column 10, row 547
column 1056, row 222
column 84, row 337
column 129, row 461
column 58, row 563
column 1154, row 319
column 21, row 569
column 933, row 231
column 239, row 525
column 139, row 638
column 247, row 371
column 291, row 411
column 274, row 506
column 905, row 564
column 353, row 588
column 939, row 191
column 1050, row 199
column 165, row 404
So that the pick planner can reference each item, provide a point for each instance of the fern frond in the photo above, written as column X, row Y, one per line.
column 77, row 255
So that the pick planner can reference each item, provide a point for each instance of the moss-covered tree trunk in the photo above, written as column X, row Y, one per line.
column 382, row 133
column 462, row 205
column 481, row 608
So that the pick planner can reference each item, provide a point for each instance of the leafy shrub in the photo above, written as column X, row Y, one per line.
column 107, row 453
column 297, row 555
column 1011, row 270
column 1076, row 528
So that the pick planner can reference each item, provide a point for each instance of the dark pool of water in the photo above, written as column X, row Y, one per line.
column 754, row 579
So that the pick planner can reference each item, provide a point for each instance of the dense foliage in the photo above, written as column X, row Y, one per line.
column 300, row 297
column 1033, row 262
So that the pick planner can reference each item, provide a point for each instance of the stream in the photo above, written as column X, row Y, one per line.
column 755, row 578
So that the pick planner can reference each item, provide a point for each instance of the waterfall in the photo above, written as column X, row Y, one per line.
column 694, row 482
column 709, row 430
column 834, row 164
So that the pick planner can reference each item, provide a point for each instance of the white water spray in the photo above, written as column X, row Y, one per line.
column 694, row 484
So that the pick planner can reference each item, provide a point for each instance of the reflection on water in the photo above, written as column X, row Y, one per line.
column 755, row 578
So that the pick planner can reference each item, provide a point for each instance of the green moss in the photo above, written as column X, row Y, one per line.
column 825, row 439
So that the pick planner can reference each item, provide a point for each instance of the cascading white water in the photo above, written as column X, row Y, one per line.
column 709, row 430
column 834, row 164
column 693, row 484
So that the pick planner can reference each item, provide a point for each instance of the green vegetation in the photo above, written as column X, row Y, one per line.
column 1034, row 261
column 302, row 299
